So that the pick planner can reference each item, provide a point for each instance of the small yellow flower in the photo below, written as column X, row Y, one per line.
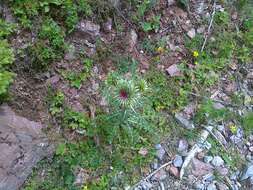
column 233, row 128
column 195, row 53
column 160, row 50
column 195, row 62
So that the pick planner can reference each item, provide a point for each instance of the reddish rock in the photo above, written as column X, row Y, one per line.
column 222, row 171
column 201, row 155
column 160, row 175
column 173, row 70
column 200, row 168
column 22, row 146
column 88, row 27
column 230, row 87
column 173, row 171
column 53, row 80
column 132, row 40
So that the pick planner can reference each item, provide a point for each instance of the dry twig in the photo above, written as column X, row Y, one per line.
column 195, row 149
column 123, row 17
column 209, row 27
column 150, row 175
column 215, row 100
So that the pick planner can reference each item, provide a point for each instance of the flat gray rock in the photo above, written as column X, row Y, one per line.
column 22, row 146
column 248, row 172
column 183, row 121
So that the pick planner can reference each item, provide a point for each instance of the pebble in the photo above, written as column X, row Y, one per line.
column 173, row 171
column 178, row 161
column 201, row 155
column 132, row 40
column 247, row 144
column 220, row 8
column 160, row 175
column 222, row 186
column 173, row 70
column 208, row 177
column 143, row 151
column 170, row 2
column 248, row 157
column 155, row 164
column 201, row 30
column 89, row 27
column 184, row 122
column 235, row 139
column 208, row 159
column 207, row 145
column 251, row 180
column 199, row 186
column 239, row 133
column 160, row 152
column 211, row 186
column 233, row 176
column 218, row 105
column 189, row 110
column 235, row 187
column 217, row 161
column 248, row 172
column 250, row 137
column 222, row 171
column 107, row 26
column 200, row 168
column 70, row 55
column 251, row 148
column 234, row 15
column 146, row 185
column 182, row 146
column 158, row 146
column 191, row 33
column 221, row 128
column 200, row 7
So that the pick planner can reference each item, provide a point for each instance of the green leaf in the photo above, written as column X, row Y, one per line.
column 146, row 26
column 60, row 150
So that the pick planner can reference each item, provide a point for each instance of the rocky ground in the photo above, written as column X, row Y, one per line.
column 223, row 158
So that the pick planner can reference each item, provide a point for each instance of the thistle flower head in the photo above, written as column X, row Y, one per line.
column 126, row 93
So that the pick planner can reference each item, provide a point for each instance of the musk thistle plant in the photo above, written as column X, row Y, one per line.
column 130, row 111
column 125, row 93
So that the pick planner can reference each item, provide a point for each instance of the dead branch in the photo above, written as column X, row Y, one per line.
column 150, row 175
column 215, row 100
column 198, row 147
column 209, row 27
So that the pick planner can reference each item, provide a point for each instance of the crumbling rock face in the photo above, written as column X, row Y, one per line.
column 22, row 146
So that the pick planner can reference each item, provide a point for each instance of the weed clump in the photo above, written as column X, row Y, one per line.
column 49, row 45
column 6, row 58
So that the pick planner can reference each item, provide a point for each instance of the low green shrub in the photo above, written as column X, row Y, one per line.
column 49, row 46
column 52, row 32
column 6, row 28
column 75, row 78
column 57, row 103
column 76, row 120
column 6, row 58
